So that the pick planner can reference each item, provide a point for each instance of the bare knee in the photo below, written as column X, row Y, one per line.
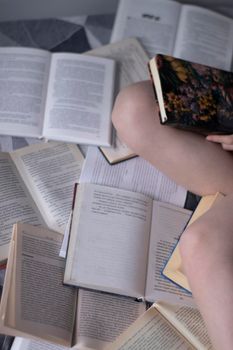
column 195, row 245
column 134, row 114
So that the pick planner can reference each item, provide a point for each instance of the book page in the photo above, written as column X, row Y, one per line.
column 188, row 321
column 150, row 331
column 131, row 59
column 167, row 225
column 24, row 79
column 102, row 317
column 31, row 344
column 134, row 175
column 204, row 37
column 42, row 309
column 50, row 171
column 132, row 67
column 154, row 23
column 79, row 103
column 16, row 203
column 109, row 240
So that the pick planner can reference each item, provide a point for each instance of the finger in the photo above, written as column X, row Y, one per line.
column 227, row 147
column 225, row 139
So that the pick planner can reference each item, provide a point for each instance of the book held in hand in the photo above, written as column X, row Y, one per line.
column 60, row 96
column 192, row 96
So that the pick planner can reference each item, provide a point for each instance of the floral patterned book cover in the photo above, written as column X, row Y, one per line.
column 194, row 96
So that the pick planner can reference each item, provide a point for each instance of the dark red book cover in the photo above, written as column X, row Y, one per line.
column 196, row 97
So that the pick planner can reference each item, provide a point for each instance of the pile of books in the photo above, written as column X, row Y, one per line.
column 86, row 239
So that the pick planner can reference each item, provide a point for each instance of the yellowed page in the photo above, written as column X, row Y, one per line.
column 50, row 171
column 187, row 321
column 173, row 268
column 16, row 203
column 44, row 307
column 6, row 293
column 150, row 331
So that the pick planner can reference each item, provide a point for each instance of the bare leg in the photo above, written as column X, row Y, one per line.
column 207, row 253
column 203, row 168
column 200, row 166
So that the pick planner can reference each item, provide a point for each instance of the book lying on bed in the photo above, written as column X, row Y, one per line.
column 165, row 326
column 60, row 96
column 37, row 187
column 36, row 305
column 115, row 239
column 187, row 31
column 192, row 96
column 174, row 269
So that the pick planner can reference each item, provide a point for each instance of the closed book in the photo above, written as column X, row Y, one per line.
column 193, row 96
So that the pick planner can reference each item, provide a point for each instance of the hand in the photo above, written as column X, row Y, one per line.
column 225, row 140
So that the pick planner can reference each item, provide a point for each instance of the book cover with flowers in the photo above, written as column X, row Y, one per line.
column 193, row 96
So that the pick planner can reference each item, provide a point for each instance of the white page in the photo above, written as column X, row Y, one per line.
column 24, row 79
column 102, row 317
column 50, row 171
column 79, row 103
column 6, row 144
column 167, row 225
column 134, row 175
column 109, row 238
column 205, row 37
column 153, row 22
column 29, row 344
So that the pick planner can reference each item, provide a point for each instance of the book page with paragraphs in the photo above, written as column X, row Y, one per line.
column 41, row 310
column 205, row 37
column 134, row 175
column 24, row 80
column 80, row 98
column 102, row 317
column 109, row 240
column 154, row 23
column 150, row 331
column 189, row 322
column 16, row 203
column 50, row 171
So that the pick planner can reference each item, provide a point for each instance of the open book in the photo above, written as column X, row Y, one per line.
column 61, row 96
column 113, row 240
column 185, row 31
column 174, row 269
column 37, row 187
column 35, row 304
column 131, row 61
column 165, row 326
